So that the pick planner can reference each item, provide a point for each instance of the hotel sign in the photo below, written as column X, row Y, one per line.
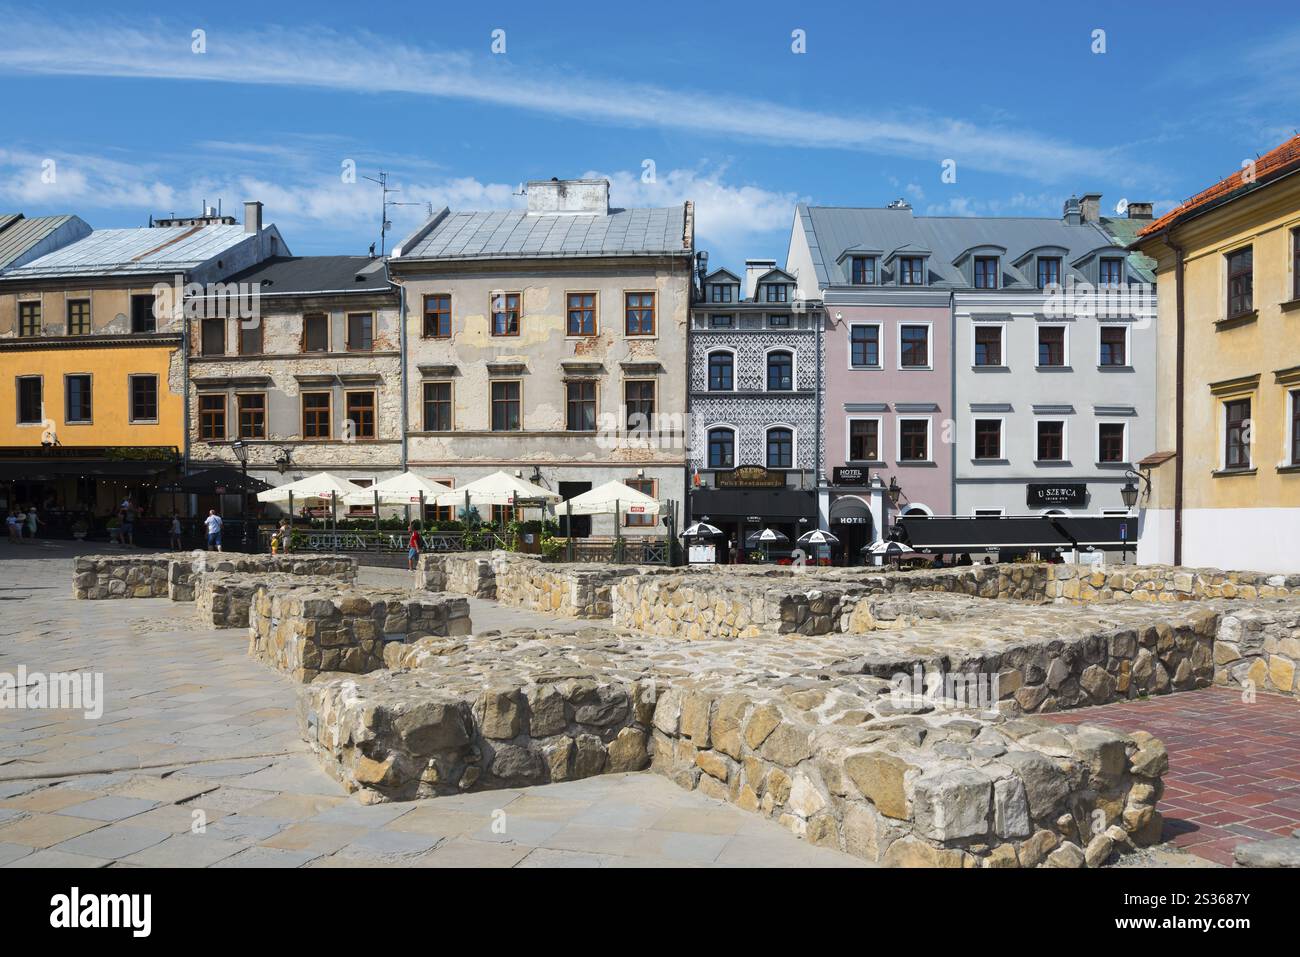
column 749, row 476
column 851, row 475
column 1073, row 494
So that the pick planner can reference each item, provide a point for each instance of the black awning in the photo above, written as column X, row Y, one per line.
column 850, row 508
column 222, row 476
column 36, row 470
column 772, row 503
column 1049, row 531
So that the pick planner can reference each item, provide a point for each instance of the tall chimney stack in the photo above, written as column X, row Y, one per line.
column 1090, row 207
column 252, row 217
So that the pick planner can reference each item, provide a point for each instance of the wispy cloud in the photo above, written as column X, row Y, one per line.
column 367, row 63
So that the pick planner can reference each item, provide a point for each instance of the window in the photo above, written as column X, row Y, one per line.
column 1051, row 346
column 776, row 292
column 913, row 440
column 988, row 438
column 780, row 371
column 721, row 371
column 1295, row 428
column 1110, row 442
column 720, row 322
column 988, row 513
column 505, row 407
column 437, row 316
column 316, row 415
column 78, row 317
column 1295, row 264
column 1114, row 342
column 864, row 440
column 580, row 396
column 361, row 413
column 986, row 272
column 31, row 400
column 864, row 347
column 143, row 318
column 639, row 319
column 911, row 271
column 1111, row 272
column 1241, row 273
column 77, row 404
column 437, row 407
column 250, row 337
column 1051, row 442
column 582, row 313
column 144, row 398
column 505, row 314
column 212, row 417
column 212, row 337
column 361, row 332
column 29, row 318
column 639, row 401
column 1236, row 449
column 720, row 292
column 864, row 270
column 646, row 486
column 914, row 347
column 1049, row 271
column 251, row 415
column 722, row 449
column 988, row 345
column 315, row 333
column 779, row 320
column 780, row 448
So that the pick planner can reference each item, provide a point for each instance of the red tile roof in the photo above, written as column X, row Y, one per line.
column 1279, row 160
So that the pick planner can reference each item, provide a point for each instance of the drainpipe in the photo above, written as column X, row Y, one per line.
column 1179, row 385
column 185, row 374
column 401, row 309
column 952, row 398
column 817, row 411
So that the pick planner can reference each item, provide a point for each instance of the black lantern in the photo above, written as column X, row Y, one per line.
column 241, row 452
column 1129, row 493
column 894, row 491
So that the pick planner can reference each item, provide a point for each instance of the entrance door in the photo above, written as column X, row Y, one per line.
column 851, row 522
column 581, row 523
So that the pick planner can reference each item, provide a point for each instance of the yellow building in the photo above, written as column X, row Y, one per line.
column 92, row 369
column 1225, row 489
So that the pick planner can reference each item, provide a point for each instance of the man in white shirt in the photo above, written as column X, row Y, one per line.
column 214, row 525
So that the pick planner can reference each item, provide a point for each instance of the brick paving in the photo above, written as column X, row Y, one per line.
column 1234, row 767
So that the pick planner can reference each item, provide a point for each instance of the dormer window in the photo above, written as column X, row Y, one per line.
column 986, row 272
column 1049, row 271
column 863, row 270
column 1110, row 271
column 720, row 292
column 775, row 292
column 911, row 271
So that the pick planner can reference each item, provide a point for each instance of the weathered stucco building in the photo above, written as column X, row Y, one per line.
column 550, row 342
column 311, row 382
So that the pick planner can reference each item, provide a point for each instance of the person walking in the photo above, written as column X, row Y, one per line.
column 282, row 538
column 413, row 546
column 176, row 532
column 15, row 529
column 214, row 525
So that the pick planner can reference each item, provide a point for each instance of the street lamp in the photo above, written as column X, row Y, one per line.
column 894, row 491
column 241, row 452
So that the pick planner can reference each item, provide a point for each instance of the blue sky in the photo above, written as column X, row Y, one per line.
column 712, row 94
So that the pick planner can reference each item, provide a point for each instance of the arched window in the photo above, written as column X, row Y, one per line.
column 722, row 448
column 721, row 371
column 917, row 511
column 780, row 448
column 780, row 371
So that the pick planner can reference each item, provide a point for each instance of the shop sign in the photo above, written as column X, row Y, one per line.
column 1070, row 494
column 749, row 476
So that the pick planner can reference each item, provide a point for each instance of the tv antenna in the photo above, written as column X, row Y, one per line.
column 385, row 224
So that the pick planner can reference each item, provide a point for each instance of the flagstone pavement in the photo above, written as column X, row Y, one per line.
column 196, row 762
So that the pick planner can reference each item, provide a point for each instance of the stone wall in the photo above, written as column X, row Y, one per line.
column 184, row 569
column 222, row 599
column 120, row 576
column 1163, row 583
column 468, row 574
column 1258, row 647
column 305, row 630
column 567, row 590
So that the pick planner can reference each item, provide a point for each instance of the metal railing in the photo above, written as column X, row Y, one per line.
column 353, row 540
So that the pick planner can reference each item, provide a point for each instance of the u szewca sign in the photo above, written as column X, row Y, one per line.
column 1074, row 493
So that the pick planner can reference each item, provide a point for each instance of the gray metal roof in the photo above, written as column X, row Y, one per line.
column 140, row 251
column 945, row 238
column 519, row 235
column 18, row 235
column 308, row 275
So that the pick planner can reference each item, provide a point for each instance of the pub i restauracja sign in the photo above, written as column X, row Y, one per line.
column 749, row 476
column 1045, row 496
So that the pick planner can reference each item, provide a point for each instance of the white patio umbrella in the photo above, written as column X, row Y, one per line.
column 701, row 530
column 767, row 535
column 611, row 498
column 817, row 537
column 405, row 489
column 889, row 549
column 321, row 487
column 499, row 488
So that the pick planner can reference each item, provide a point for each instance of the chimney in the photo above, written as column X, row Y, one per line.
column 1140, row 211
column 568, row 197
column 1090, row 207
column 753, row 269
column 252, row 217
column 1072, row 214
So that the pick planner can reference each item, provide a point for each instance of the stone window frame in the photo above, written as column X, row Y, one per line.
column 654, row 313
column 25, row 328
column 347, row 330
column 975, row 329
column 641, row 521
column 134, row 301
column 329, row 415
column 1124, row 453
column 1065, row 345
column 239, row 414
column 569, row 402
column 654, row 400
column 518, row 401
column 929, row 438
column 708, row 444
column 767, row 445
column 451, row 404
column 848, row 437
column 324, row 317
column 242, row 327
column 1065, row 439
column 1233, row 273
column 90, row 376
column 18, row 401
column 130, row 399
column 708, row 369
column 1225, row 427
column 1127, row 328
column 767, row 368
column 89, row 325
column 518, row 311
column 206, row 414
column 929, row 345
column 1293, row 427
column 204, row 325
column 880, row 345
column 424, row 328
column 1001, row 420
column 374, row 413
column 569, row 310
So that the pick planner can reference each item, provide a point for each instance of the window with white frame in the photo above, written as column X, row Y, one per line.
column 1049, row 440
column 914, row 346
column 863, row 439
column 913, row 440
column 722, row 447
column 1112, row 344
column 1052, row 350
column 1112, row 442
column 989, row 339
column 864, row 345
column 987, row 435
column 780, row 447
